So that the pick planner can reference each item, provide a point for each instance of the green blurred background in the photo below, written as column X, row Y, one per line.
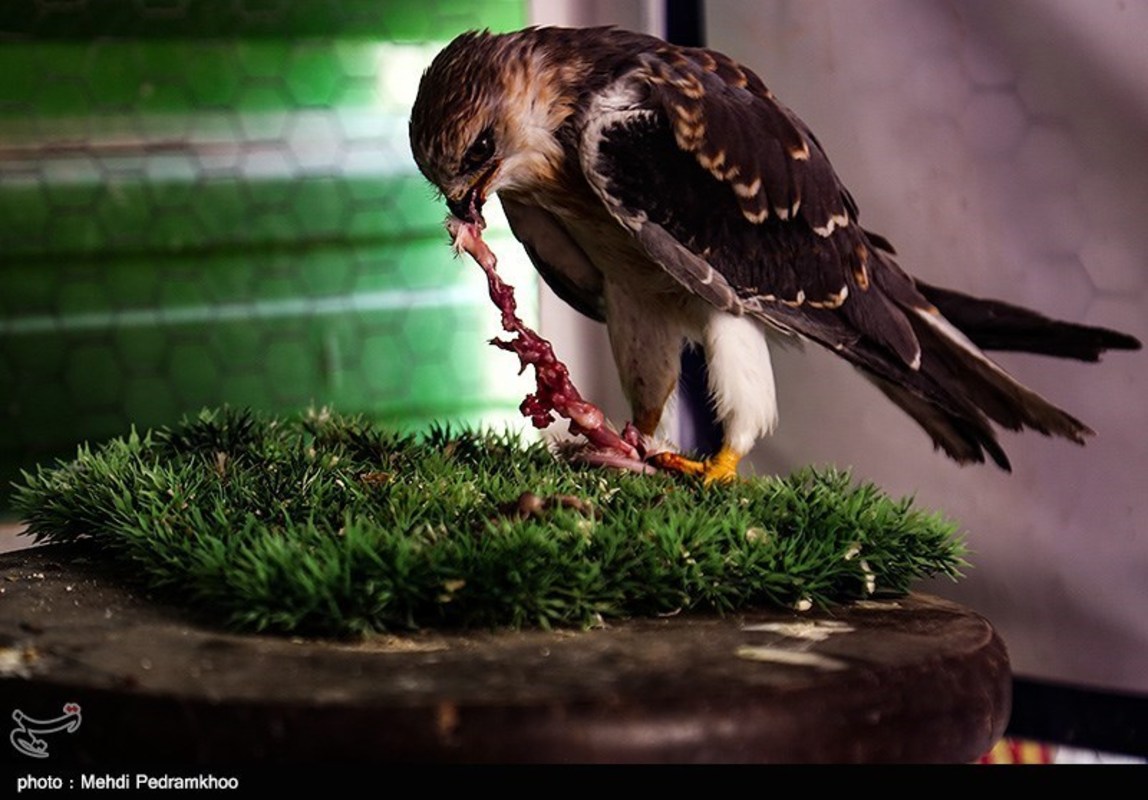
column 213, row 201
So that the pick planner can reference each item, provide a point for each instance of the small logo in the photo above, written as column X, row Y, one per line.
column 24, row 736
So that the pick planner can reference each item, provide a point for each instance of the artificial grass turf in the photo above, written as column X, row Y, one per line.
column 329, row 525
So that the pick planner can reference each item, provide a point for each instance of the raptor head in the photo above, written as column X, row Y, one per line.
column 487, row 115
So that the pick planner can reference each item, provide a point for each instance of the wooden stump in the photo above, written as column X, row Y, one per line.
column 911, row 679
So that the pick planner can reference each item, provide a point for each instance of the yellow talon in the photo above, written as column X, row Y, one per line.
column 721, row 468
column 675, row 462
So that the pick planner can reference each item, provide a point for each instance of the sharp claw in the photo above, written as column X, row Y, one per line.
column 722, row 468
column 675, row 462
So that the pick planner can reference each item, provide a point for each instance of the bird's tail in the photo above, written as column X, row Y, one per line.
column 954, row 334
column 994, row 325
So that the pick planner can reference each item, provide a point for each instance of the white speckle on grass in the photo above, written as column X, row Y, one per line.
column 870, row 577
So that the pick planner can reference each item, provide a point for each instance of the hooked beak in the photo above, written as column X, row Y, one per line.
column 469, row 207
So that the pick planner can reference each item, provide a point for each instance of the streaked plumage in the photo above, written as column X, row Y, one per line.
column 665, row 191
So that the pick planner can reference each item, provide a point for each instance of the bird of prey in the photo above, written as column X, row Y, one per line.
column 666, row 191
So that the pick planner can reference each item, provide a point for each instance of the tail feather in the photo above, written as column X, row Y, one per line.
column 958, row 365
column 959, row 391
column 953, row 390
column 995, row 325
column 964, row 438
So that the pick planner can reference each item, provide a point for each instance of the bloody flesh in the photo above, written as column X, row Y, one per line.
column 554, row 392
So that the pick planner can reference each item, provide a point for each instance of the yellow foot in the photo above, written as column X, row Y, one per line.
column 721, row 468
column 675, row 462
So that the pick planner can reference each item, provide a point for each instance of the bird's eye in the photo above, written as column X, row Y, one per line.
column 480, row 151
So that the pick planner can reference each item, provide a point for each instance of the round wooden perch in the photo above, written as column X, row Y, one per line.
column 911, row 679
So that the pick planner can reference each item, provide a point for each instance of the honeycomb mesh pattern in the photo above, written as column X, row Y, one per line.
column 214, row 202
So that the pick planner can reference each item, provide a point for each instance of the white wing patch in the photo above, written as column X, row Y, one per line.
column 836, row 221
column 616, row 106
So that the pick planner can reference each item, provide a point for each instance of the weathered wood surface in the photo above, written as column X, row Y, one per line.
column 912, row 679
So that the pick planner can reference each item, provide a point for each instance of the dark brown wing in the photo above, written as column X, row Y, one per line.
column 694, row 147
column 558, row 258
column 733, row 196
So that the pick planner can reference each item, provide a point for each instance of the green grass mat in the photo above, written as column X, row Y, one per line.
column 330, row 525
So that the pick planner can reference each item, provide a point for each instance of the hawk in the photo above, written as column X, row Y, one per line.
column 666, row 191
